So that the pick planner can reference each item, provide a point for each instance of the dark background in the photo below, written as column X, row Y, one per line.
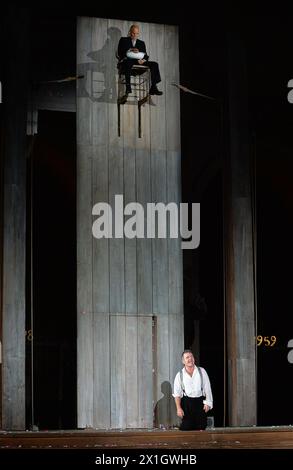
column 204, row 42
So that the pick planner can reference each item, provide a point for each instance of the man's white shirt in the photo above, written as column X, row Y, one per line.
column 192, row 385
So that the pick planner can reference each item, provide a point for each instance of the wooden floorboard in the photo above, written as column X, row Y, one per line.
column 218, row 438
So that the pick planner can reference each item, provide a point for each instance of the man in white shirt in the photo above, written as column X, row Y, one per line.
column 192, row 393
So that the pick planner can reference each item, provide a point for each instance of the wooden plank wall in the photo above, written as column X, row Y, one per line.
column 124, row 283
column 14, row 229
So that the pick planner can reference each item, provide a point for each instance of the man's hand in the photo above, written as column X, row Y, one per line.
column 134, row 49
column 206, row 408
column 141, row 61
column 180, row 412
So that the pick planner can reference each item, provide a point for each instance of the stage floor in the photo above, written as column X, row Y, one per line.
column 275, row 437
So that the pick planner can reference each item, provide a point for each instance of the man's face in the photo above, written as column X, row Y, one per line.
column 188, row 360
column 134, row 33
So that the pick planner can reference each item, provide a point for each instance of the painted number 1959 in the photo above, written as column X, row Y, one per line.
column 268, row 341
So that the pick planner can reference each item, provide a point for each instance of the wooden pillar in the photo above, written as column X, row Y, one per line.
column 14, row 241
column 240, row 306
column 2, row 20
column 1, row 242
column 130, row 294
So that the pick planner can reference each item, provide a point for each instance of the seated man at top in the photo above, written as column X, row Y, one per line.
column 129, row 46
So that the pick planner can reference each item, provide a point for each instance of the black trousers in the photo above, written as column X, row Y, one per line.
column 126, row 67
column 194, row 415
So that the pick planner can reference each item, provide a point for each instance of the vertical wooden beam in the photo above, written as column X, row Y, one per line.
column 173, row 173
column 85, row 296
column 239, row 250
column 118, row 368
column 131, row 373
column 14, row 232
column 1, row 248
column 2, row 134
column 145, row 372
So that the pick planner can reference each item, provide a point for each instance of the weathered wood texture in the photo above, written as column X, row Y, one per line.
column 279, row 437
column 14, row 230
column 241, row 328
column 1, row 250
column 123, row 283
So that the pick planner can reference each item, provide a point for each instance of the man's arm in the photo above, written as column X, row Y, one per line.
column 178, row 393
column 142, row 48
column 208, row 402
column 180, row 412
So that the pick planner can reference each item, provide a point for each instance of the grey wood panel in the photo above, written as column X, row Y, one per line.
column 144, row 246
column 13, row 346
column 129, row 119
column 172, row 93
column 159, row 172
column 84, row 229
column 116, row 245
column 174, row 245
column 176, row 345
column 246, row 383
column 92, row 259
column 84, row 126
column 158, row 103
column 100, row 128
column 118, row 366
column 116, row 187
column 143, row 185
column 100, row 268
column 243, row 273
column 173, row 164
column 160, row 275
column 145, row 372
column 84, row 288
column 84, row 38
column 85, row 344
column 239, row 249
column 84, row 109
column 244, row 311
column 84, row 223
column 164, row 381
column 160, row 245
column 130, row 196
column 101, row 372
column 14, row 213
column 100, row 176
column 131, row 371
column 85, row 369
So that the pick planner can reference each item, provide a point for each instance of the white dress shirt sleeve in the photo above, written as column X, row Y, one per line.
column 177, row 387
column 207, row 389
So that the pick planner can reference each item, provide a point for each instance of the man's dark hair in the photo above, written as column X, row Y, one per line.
column 186, row 351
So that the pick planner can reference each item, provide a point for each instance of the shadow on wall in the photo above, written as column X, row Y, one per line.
column 165, row 410
column 99, row 82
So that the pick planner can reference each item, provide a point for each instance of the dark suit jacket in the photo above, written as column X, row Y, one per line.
column 126, row 43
